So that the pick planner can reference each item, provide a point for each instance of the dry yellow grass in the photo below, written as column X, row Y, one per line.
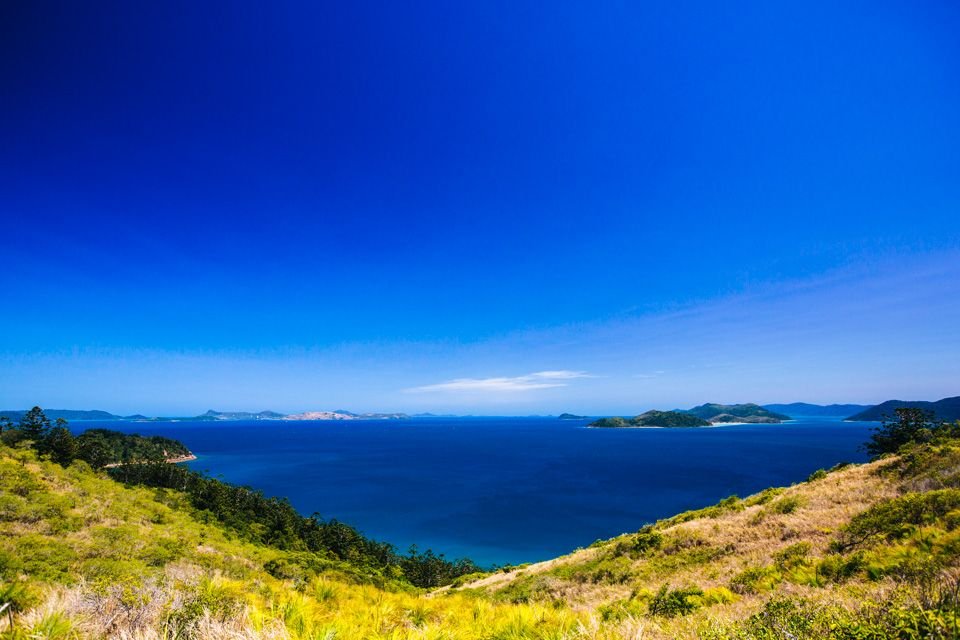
column 751, row 537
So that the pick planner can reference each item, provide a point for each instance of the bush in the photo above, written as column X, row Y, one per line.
column 754, row 580
column 910, row 426
column 895, row 518
column 670, row 603
column 819, row 474
column 792, row 556
column 786, row 505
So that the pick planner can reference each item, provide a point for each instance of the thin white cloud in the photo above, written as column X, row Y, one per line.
column 649, row 376
column 529, row 382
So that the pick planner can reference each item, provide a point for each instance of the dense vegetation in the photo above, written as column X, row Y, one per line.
column 858, row 552
column 97, row 447
column 653, row 419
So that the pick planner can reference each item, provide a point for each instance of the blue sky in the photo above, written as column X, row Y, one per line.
column 487, row 208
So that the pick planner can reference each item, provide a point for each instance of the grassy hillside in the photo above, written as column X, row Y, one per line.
column 864, row 551
column 867, row 551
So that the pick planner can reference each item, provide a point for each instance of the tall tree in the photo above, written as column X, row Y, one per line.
column 910, row 425
column 60, row 444
column 35, row 425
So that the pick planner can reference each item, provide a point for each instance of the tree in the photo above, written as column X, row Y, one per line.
column 35, row 425
column 93, row 448
column 60, row 444
column 911, row 425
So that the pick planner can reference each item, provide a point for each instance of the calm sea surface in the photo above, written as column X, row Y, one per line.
column 505, row 490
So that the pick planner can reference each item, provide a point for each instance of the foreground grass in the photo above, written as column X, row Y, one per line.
column 868, row 551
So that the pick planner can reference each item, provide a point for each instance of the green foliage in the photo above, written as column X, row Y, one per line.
column 675, row 602
column 787, row 504
column 729, row 504
column 763, row 497
column 911, row 426
column 34, row 425
column 97, row 447
column 100, row 447
column 61, row 445
column 895, row 518
column 614, row 422
column 754, row 580
column 819, row 474
column 792, row 556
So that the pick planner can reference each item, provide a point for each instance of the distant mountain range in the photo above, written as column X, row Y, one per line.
column 946, row 409
column 209, row 416
column 807, row 409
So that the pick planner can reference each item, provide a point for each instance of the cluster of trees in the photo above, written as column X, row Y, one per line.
column 910, row 426
column 97, row 447
column 274, row 522
column 52, row 439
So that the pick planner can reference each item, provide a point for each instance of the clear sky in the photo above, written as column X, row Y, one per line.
column 492, row 207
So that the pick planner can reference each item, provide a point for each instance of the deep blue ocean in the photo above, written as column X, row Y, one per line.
column 505, row 490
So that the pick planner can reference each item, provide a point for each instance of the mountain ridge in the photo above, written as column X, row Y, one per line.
column 946, row 409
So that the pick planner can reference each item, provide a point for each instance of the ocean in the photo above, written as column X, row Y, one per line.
column 504, row 490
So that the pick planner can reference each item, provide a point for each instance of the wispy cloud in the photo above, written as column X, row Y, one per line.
column 529, row 382
column 649, row 376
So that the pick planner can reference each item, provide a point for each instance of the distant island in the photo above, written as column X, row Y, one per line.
column 570, row 416
column 652, row 419
column 344, row 415
column 700, row 416
column 69, row 414
column 807, row 409
column 946, row 409
column 727, row 413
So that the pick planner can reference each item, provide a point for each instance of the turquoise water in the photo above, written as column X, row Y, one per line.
column 505, row 490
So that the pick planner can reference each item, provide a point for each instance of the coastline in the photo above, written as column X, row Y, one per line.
column 175, row 460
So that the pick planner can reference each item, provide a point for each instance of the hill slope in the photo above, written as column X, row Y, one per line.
column 947, row 409
column 864, row 551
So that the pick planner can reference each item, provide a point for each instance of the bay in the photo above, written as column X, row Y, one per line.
column 504, row 490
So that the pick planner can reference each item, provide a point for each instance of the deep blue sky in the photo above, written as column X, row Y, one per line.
column 316, row 205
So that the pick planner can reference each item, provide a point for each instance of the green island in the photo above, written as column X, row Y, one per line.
column 700, row 416
column 652, row 419
column 148, row 549
column 751, row 413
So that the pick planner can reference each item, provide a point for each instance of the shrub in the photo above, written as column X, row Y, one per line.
column 754, row 580
column 837, row 568
column 819, row 474
column 670, row 603
column 893, row 519
column 792, row 556
column 786, row 505
column 763, row 497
